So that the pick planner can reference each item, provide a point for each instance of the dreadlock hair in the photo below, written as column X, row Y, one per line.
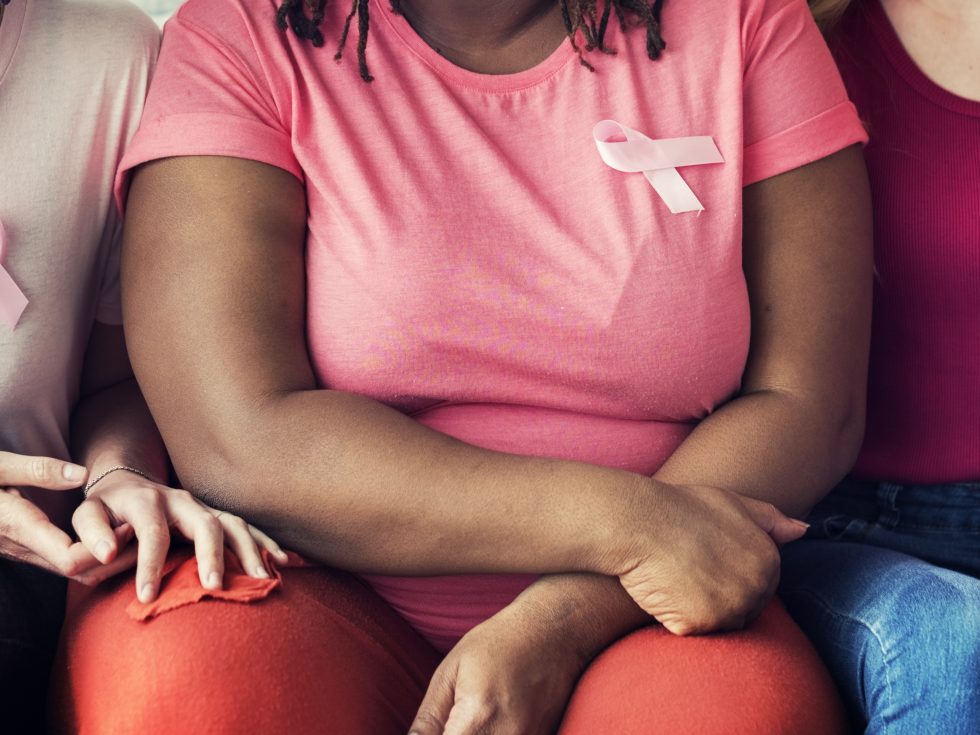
column 305, row 17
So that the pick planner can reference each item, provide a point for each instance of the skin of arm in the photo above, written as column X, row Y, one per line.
column 111, row 425
column 798, row 423
column 249, row 431
column 791, row 434
column 217, row 241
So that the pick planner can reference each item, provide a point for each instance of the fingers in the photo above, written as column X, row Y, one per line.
column 126, row 560
column 45, row 472
column 26, row 525
column 437, row 704
column 199, row 525
column 468, row 718
column 91, row 523
column 269, row 544
column 780, row 528
column 145, row 513
column 239, row 538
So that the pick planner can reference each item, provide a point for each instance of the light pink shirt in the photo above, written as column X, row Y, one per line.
column 473, row 262
column 73, row 75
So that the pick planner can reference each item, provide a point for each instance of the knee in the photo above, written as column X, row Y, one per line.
column 765, row 679
column 286, row 664
column 929, row 620
column 115, row 675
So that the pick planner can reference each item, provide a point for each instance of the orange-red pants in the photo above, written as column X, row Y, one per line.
column 323, row 654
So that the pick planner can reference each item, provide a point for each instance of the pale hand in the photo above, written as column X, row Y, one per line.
column 152, row 510
column 26, row 533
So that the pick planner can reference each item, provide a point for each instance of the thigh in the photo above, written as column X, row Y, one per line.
column 32, row 604
column 901, row 636
column 765, row 679
column 320, row 654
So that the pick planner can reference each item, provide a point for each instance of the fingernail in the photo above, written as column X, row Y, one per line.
column 801, row 524
column 282, row 556
column 146, row 593
column 102, row 551
column 73, row 472
column 214, row 580
column 261, row 573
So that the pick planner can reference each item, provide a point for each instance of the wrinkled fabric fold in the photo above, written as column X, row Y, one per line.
column 181, row 584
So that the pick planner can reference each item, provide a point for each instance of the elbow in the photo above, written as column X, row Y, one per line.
column 222, row 464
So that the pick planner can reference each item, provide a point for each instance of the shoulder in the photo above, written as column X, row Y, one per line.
column 102, row 32
column 246, row 28
column 704, row 12
column 764, row 11
column 230, row 17
column 728, row 24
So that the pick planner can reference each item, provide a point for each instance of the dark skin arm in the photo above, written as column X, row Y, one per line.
column 797, row 426
column 793, row 432
column 213, row 270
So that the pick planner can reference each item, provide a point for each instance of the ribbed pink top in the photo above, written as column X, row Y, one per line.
column 924, row 162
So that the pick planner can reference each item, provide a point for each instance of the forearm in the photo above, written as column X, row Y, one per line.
column 770, row 446
column 353, row 483
column 113, row 427
column 776, row 446
column 588, row 612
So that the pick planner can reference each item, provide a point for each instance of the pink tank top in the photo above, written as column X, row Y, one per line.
column 924, row 166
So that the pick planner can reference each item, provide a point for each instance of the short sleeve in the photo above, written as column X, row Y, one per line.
column 210, row 95
column 796, row 109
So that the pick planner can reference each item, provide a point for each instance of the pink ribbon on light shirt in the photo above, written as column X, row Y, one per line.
column 630, row 151
column 12, row 299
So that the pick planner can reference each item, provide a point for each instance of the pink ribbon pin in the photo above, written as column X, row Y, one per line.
column 12, row 299
column 630, row 151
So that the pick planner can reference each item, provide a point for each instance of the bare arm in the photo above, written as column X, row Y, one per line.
column 798, row 423
column 791, row 434
column 213, row 275
column 112, row 428
column 111, row 425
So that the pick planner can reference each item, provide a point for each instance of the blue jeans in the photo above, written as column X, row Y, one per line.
column 886, row 586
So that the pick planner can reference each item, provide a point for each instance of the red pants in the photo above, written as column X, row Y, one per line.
column 323, row 654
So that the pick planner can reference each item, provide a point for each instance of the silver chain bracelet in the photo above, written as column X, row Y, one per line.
column 93, row 483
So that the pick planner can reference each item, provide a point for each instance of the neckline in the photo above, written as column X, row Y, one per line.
column 11, row 33
column 457, row 75
column 904, row 64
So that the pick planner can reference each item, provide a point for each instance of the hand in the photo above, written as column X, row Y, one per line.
column 151, row 509
column 26, row 533
column 510, row 675
column 703, row 559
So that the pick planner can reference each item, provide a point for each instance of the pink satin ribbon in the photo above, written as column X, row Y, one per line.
column 12, row 299
column 630, row 151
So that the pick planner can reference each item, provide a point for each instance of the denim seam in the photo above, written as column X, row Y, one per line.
column 911, row 525
column 802, row 591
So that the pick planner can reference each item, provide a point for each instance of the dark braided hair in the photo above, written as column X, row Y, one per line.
column 305, row 17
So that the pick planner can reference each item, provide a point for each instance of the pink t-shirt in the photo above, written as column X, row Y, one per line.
column 473, row 262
